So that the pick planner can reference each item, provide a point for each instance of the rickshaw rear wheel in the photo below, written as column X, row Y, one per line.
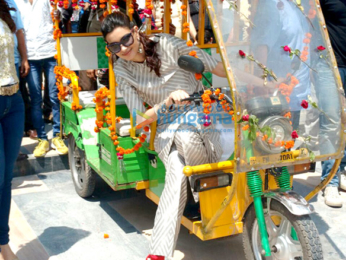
column 291, row 237
column 83, row 176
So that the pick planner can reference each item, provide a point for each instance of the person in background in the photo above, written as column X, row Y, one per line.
column 208, row 39
column 41, row 51
column 20, row 54
column 194, row 17
column 11, row 123
column 334, row 12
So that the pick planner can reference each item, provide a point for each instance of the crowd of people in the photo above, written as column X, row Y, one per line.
column 27, row 54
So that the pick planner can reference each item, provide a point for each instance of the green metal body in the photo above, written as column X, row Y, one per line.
column 254, row 182
column 257, row 200
column 283, row 180
column 102, row 156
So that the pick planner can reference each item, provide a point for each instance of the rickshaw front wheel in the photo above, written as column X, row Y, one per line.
column 291, row 237
column 83, row 176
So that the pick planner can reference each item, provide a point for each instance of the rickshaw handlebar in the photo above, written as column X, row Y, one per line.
column 197, row 97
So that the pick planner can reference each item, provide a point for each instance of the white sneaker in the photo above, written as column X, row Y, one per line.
column 332, row 197
column 343, row 180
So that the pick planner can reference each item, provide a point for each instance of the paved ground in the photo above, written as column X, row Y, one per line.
column 50, row 221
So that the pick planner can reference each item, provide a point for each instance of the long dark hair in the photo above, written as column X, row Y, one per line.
column 5, row 15
column 118, row 19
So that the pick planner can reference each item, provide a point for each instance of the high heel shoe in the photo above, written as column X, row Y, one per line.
column 155, row 257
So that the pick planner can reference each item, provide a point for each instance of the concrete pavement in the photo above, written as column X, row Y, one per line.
column 50, row 221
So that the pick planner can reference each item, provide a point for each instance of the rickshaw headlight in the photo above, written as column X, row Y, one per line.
column 211, row 181
column 279, row 132
column 282, row 131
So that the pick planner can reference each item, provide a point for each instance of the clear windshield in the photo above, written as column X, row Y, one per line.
column 284, row 80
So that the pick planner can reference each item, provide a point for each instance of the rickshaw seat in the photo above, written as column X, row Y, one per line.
column 86, row 98
column 123, row 127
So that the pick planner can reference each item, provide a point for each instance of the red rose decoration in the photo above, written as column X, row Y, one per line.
column 304, row 104
column 294, row 134
column 246, row 118
column 321, row 48
column 242, row 54
column 286, row 48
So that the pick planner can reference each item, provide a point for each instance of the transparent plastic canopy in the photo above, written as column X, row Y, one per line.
column 284, row 81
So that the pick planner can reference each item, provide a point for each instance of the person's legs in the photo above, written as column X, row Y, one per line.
column 48, row 66
column 188, row 149
column 326, row 168
column 11, row 132
column 57, row 143
column 342, row 72
column 170, row 208
column 25, row 95
column 34, row 80
column 47, row 105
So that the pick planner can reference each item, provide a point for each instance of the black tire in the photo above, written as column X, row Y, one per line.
column 308, row 246
column 83, row 176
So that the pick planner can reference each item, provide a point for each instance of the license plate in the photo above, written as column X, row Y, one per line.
column 271, row 158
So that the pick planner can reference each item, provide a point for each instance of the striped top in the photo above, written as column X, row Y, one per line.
column 138, row 84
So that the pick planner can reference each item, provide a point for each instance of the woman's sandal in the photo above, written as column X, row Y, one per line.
column 155, row 257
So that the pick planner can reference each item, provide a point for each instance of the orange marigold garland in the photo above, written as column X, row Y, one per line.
column 250, row 124
column 66, row 3
column 198, row 76
column 131, row 9
column 102, row 105
column 183, row 8
column 103, row 4
column 60, row 72
column 186, row 25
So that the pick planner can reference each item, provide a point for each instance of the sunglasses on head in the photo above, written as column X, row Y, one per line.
column 126, row 41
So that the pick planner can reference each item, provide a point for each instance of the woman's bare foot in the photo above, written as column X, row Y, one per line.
column 7, row 253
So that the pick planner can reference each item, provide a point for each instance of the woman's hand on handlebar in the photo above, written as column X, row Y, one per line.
column 176, row 96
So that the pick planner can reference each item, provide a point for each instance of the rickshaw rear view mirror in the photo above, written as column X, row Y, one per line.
column 191, row 64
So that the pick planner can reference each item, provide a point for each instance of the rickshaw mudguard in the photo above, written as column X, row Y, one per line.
column 295, row 203
column 71, row 124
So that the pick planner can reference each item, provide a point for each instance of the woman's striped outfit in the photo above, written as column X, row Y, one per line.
column 178, row 143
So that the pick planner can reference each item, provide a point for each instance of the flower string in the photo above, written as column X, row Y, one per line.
column 103, row 4
column 254, row 131
column 312, row 12
column 148, row 11
column 298, row 53
column 285, row 89
column 305, row 52
column 57, row 32
column 233, row 5
column 102, row 105
column 65, row 4
column 183, row 8
column 60, row 72
column 189, row 43
column 217, row 95
column 305, row 104
column 266, row 72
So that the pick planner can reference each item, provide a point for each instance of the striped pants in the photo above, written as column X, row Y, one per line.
column 188, row 149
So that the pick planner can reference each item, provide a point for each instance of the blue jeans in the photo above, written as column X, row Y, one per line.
column 11, row 133
column 34, row 80
column 327, row 165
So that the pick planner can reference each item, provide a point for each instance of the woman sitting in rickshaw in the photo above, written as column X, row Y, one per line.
column 146, row 70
